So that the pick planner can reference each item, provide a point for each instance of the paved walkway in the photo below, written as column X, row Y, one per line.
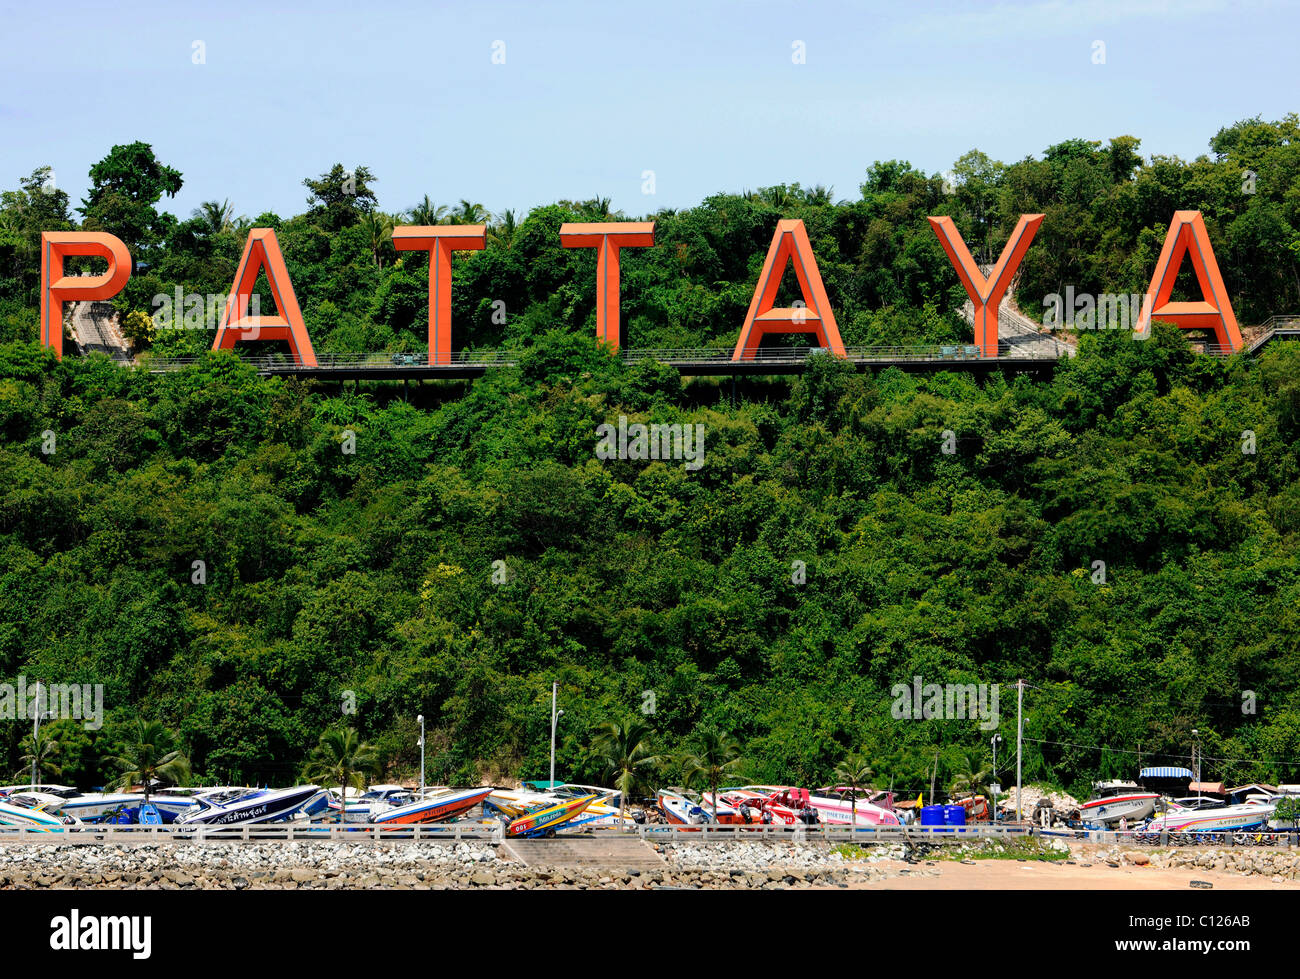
column 612, row 852
column 94, row 327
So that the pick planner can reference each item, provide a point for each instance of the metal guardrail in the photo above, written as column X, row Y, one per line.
column 486, row 832
column 829, row 833
column 257, row 832
column 91, row 834
column 680, row 357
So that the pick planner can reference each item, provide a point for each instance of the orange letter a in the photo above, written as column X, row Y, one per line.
column 789, row 243
column 263, row 252
column 1215, row 309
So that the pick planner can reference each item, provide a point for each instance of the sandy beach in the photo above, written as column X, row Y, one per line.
column 1047, row 876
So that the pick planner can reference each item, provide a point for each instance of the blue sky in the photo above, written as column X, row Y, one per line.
column 593, row 94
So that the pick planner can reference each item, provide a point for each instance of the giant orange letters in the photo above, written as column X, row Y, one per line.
column 263, row 252
column 440, row 241
column 609, row 238
column 56, row 288
column 789, row 243
column 1187, row 236
column 986, row 293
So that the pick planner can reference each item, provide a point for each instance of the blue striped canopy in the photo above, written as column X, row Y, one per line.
column 1166, row 773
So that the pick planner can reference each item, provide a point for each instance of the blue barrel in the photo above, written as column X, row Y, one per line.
column 932, row 816
column 954, row 815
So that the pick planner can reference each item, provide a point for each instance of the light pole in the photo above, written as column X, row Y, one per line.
column 1196, row 764
column 38, row 712
column 1020, row 737
column 994, row 741
column 555, row 718
column 421, row 720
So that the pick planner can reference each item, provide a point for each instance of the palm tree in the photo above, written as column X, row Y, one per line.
column 856, row 773
column 216, row 216
column 597, row 209
column 426, row 212
column 41, row 756
column 150, row 755
column 719, row 755
column 626, row 753
column 503, row 228
column 778, row 196
column 972, row 775
column 341, row 757
column 819, row 195
column 468, row 213
column 378, row 228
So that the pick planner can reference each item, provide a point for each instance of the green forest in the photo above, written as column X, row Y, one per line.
column 375, row 551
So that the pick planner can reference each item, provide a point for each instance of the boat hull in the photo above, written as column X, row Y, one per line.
column 266, row 808
column 549, row 819
column 435, row 810
column 1132, row 807
column 1225, row 820
column 19, row 817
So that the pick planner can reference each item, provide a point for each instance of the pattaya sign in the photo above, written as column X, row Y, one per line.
column 1187, row 237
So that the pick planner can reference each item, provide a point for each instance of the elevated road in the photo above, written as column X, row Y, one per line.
column 1021, row 349
column 692, row 363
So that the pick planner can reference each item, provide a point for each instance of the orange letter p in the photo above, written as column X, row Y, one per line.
column 56, row 288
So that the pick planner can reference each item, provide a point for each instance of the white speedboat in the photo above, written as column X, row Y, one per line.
column 258, row 806
column 23, row 817
column 1118, row 800
column 376, row 800
column 835, row 806
column 1224, row 819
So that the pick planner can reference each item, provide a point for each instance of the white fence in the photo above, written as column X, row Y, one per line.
column 652, row 833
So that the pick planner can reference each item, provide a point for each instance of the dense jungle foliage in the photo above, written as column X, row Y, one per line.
column 472, row 549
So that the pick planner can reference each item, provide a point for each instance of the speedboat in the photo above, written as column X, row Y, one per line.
column 375, row 800
column 545, row 820
column 1118, row 800
column 788, row 804
column 604, row 797
column 257, row 806
column 435, row 809
column 1223, row 819
column 24, row 817
column 93, row 806
column 835, row 806
column 513, row 803
column 681, row 810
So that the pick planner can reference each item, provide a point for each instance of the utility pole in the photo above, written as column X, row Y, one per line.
column 37, row 711
column 1196, row 763
column 421, row 720
column 994, row 741
column 1020, row 737
column 555, row 717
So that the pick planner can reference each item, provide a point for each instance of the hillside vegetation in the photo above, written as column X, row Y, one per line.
column 473, row 548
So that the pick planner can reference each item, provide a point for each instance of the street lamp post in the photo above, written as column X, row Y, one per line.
column 994, row 741
column 38, row 712
column 1196, row 763
column 555, row 717
column 421, row 720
